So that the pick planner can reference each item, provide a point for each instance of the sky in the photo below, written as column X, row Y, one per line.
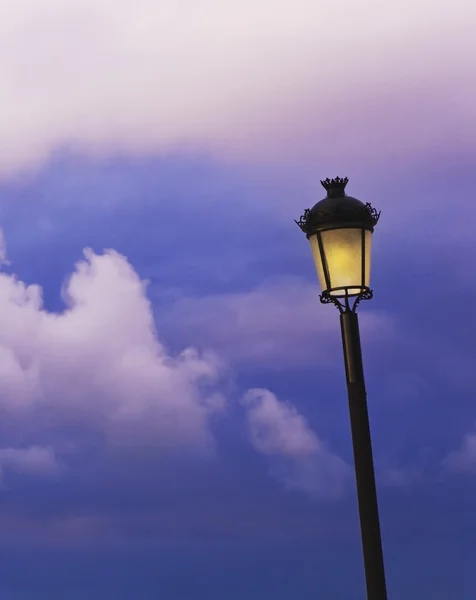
column 173, row 411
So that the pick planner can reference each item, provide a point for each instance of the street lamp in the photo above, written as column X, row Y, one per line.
column 339, row 229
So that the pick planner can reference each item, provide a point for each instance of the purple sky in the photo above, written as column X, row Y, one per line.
column 173, row 409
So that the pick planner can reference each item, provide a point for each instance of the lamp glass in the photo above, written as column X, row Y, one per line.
column 342, row 253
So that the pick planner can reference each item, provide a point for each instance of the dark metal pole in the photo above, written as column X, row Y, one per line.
column 364, row 468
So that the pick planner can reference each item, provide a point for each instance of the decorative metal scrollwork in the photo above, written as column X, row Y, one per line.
column 345, row 304
column 304, row 220
column 312, row 220
column 374, row 214
column 366, row 294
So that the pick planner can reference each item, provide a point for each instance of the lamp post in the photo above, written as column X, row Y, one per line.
column 339, row 229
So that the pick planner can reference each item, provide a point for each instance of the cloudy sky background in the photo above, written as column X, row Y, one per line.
column 173, row 410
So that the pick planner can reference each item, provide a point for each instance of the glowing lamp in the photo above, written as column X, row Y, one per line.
column 339, row 229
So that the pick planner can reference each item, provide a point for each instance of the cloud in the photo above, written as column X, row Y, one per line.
column 91, row 391
column 99, row 364
column 98, row 369
column 280, row 323
column 463, row 460
column 250, row 78
column 3, row 251
column 34, row 460
column 394, row 472
column 297, row 457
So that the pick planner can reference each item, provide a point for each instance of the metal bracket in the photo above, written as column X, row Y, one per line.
column 345, row 303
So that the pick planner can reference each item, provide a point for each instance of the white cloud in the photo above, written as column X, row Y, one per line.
column 34, row 460
column 3, row 250
column 297, row 457
column 99, row 367
column 255, row 76
column 100, row 361
column 463, row 459
column 279, row 323
column 393, row 473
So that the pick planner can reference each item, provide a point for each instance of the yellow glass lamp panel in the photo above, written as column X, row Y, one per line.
column 343, row 254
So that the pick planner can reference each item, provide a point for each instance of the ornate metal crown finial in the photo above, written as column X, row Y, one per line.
column 335, row 185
